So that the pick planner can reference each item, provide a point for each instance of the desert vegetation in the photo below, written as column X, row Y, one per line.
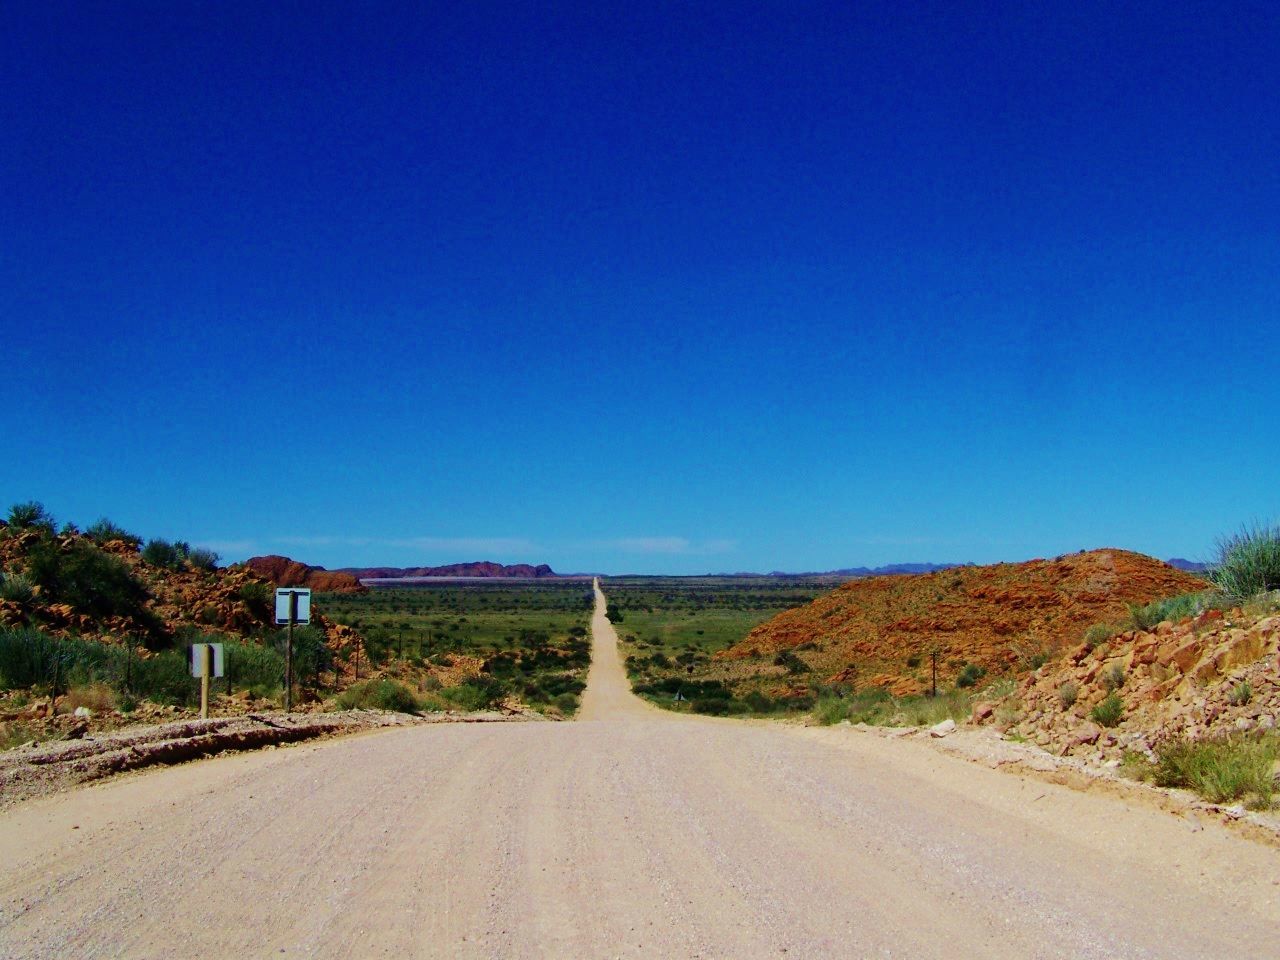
column 477, row 645
column 670, row 630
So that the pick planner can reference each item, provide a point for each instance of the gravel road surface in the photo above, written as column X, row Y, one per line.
column 631, row 833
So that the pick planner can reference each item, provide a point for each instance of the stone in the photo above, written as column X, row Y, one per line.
column 1087, row 732
column 943, row 729
column 83, row 712
column 982, row 711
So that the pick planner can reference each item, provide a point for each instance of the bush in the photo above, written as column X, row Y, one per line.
column 162, row 553
column 16, row 588
column 104, row 531
column 1068, row 694
column 98, row 697
column 1109, row 711
column 90, row 581
column 1223, row 769
column 379, row 695
column 475, row 694
column 255, row 667
column 201, row 559
column 758, row 702
column 1098, row 633
column 792, row 662
column 1241, row 694
column 31, row 516
column 1169, row 608
column 258, row 598
column 970, row 675
column 1248, row 562
column 1113, row 678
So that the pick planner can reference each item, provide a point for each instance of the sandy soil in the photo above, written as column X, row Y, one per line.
column 633, row 833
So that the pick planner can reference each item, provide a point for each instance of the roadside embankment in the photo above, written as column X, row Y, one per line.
column 36, row 770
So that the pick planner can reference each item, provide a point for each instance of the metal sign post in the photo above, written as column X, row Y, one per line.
column 206, row 663
column 288, row 653
column 293, row 605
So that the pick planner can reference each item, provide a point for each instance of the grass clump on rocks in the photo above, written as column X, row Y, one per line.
column 379, row 695
column 1248, row 562
column 1109, row 712
column 1223, row 769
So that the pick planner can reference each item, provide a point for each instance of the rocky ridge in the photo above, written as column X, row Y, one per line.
column 285, row 572
column 881, row 631
column 1213, row 674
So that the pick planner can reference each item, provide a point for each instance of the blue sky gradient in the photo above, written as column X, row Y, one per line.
column 660, row 288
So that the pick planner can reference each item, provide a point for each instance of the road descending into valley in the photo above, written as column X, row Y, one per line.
column 631, row 832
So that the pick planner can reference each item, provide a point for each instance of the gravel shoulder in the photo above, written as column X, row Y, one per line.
column 632, row 833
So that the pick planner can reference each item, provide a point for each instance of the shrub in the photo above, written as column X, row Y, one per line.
column 1169, row 608
column 255, row 667
column 970, row 674
column 16, row 588
column 258, row 597
column 1248, row 562
column 1109, row 711
column 98, row 697
column 1223, row 769
column 1067, row 695
column 162, row 553
column 475, row 694
column 31, row 516
column 759, row 702
column 201, row 559
column 1241, row 694
column 379, row 695
column 1098, row 633
column 90, row 581
column 792, row 662
column 1113, row 678
column 104, row 531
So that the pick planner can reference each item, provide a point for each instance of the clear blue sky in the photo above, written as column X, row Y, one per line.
column 643, row 287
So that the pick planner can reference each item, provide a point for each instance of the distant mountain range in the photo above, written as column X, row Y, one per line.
column 483, row 568
column 1190, row 566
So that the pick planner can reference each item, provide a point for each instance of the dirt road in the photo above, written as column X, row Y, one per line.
column 632, row 833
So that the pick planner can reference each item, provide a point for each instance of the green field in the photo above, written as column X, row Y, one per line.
column 669, row 628
column 531, row 635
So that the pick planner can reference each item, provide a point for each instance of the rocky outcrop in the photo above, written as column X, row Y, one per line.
column 1211, row 674
column 483, row 568
column 883, row 631
column 284, row 572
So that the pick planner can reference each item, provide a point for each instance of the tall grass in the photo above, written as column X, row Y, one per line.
column 1248, row 562
column 877, row 707
column 1222, row 770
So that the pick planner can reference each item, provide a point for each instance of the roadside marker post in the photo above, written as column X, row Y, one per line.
column 293, row 605
column 206, row 663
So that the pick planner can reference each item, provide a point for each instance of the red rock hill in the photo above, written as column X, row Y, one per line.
column 880, row 630
column 284, row 572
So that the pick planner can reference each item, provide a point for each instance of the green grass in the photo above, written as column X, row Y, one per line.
column 379, row 695
column 1222, row 770
column 1248, row 562
column 1109, row 712
column 878, row 708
